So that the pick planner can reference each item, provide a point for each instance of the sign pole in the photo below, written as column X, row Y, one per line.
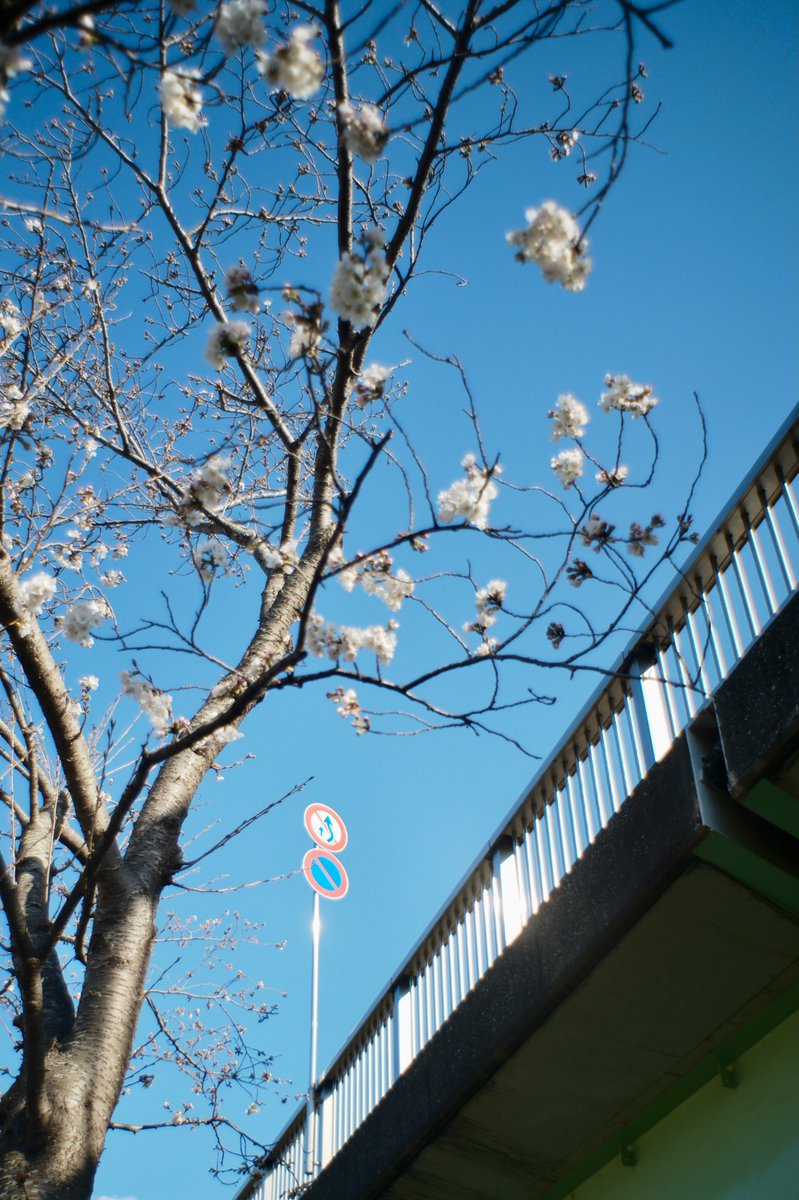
column 327, row 877
column 310, row 1113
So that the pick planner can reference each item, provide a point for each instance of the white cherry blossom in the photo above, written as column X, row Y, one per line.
column 226, row 340
column 568, row 466
column 201, row 494
column 306, row 333
column 365, row 132
column 294, row 65
column 552, row 241
column 371, row 384
column 240, row 23
column 79, row 620
column 14, row 408
column 34, row 592
column 210, row 483
column 569, row 418
column 469, row 499
column 12, row 62
column 112, row 579
column 359, row 282
column 11, row 322
column 343, row 642
column 209, row 556
column 614, row 478
column 486, row 647
column 155, row 704
column 181, row 99
column 283, row 557
column 488, row 601
column 346, row 702
column 242, row 290
column 376, row 577
column 639, row 538
column 627, row 397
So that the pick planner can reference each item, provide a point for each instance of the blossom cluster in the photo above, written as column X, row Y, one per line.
column 283, row 557
column 347, row 705
column 578, row 571
column 11, row 63
column 34, row 592
column 14, row 408
column 359, row 281
column 11, row 321
column 626, row 396
column 343, row 642
column 293, row 65
column 112, row 579
column 569, row 418
column 203, row 493
column 469, row 499
column 614, row 478
column 488, row 601
column 552, row 241
column 565, row 141
column 242, row 290
column 306, row 331
column 568, row 466
column 154, row 704
column 375, row 576
column 597, row 533
column 365, row 132
column 641, row 536
column 371, row 384
column 181, row 99
column 209, row 556
column 225, row 340
column 79, row 620
column 240, row 23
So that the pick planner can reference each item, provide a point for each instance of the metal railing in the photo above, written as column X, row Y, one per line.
column 736, row 581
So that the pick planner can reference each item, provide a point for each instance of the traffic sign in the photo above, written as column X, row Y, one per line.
column 326, row 827
column 325, row 874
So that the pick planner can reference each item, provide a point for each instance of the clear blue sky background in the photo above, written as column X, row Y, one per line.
column 694, row 289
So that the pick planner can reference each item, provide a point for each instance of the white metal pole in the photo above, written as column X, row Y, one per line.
column 310, row 1112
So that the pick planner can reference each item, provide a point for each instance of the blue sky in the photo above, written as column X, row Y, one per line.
column 693, row 290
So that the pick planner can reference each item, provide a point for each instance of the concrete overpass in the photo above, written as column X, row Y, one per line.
column 629, row 933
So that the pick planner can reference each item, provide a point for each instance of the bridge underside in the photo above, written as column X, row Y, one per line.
column 704, row 961
column 672, row 941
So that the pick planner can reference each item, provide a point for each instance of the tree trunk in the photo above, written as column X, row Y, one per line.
column 83, row 1074
column 58, row 1162
column 63, row 1165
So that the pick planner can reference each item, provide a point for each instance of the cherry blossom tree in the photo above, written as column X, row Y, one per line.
column 261, row 180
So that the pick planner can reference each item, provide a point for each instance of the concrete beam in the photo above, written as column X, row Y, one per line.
column 757, row 708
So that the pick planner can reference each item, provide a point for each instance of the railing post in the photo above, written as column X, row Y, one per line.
column 401, row 1047
column 323, row 1132
column 312, row 1123
column 503, row 850
column 642, row 658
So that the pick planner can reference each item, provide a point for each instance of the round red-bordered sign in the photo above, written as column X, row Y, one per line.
column 326, row 827
column 325, row 874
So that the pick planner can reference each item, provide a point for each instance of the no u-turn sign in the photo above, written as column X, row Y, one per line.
column 321, row 868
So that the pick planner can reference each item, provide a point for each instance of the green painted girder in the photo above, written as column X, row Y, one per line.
column 720, row 1063
column 775, row 804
